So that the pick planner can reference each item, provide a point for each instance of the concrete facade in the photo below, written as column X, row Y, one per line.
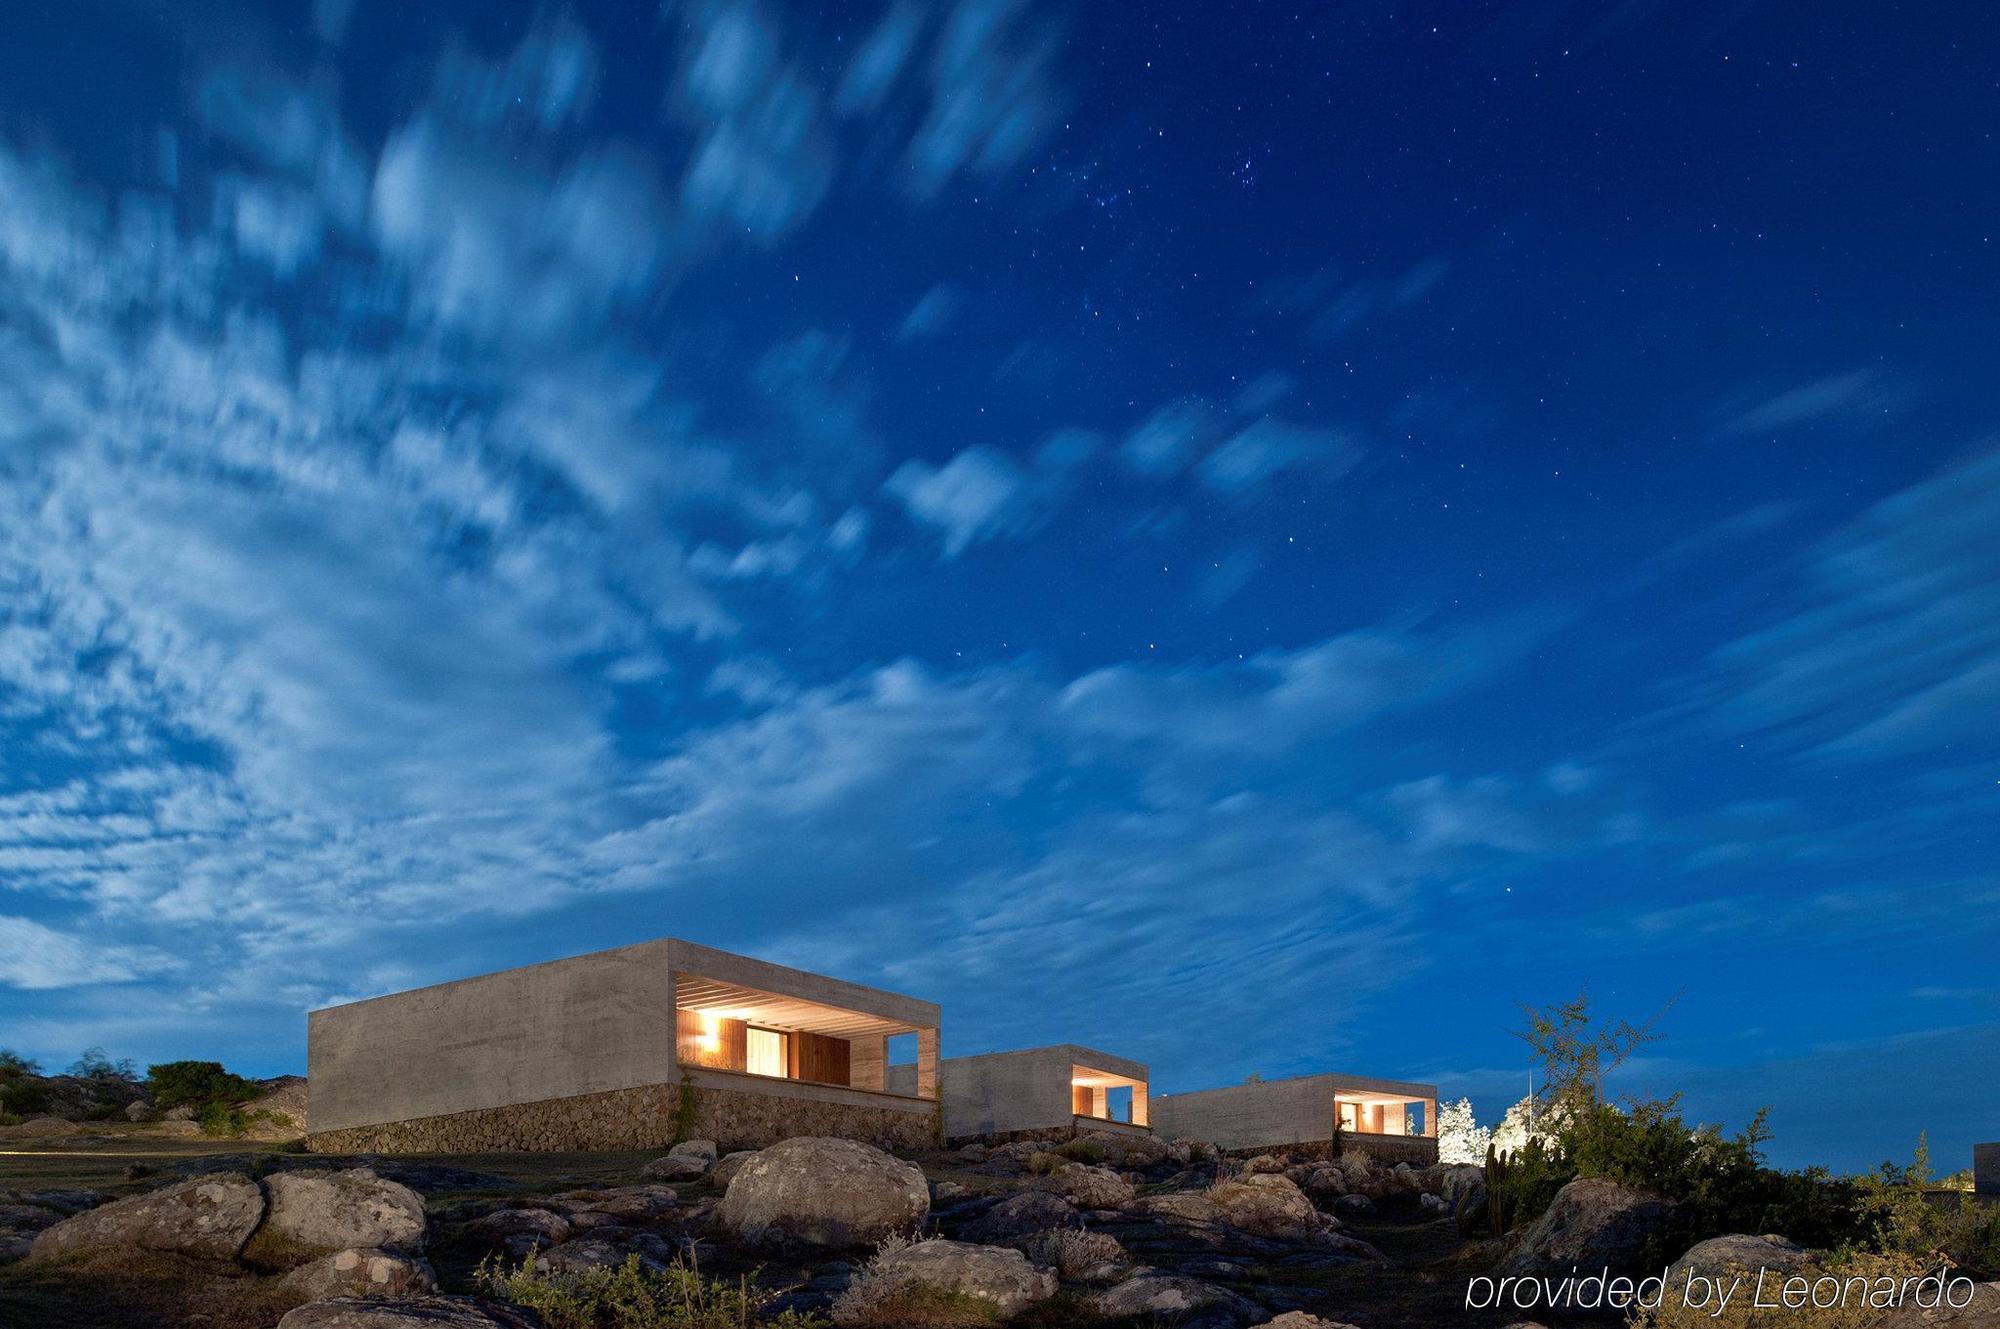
column 1055, row 1090
column 1301, row 1113
column 1986, row 1169
column 533, row 1053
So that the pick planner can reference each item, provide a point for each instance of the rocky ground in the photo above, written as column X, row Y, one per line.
column 1104, row 1231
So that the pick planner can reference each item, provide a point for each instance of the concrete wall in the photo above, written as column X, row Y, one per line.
column 1029, row 1090
column 584, row 1025
column 1269, row 1113
column 1986, row 1169
column 1250, row 1116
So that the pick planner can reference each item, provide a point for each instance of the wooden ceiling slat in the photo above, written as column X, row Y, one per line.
column 695, row 993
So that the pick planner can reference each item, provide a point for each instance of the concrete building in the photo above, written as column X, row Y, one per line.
column 1986, row 1169
column 1045, row 1091
column 622, row 1049
column 1393, row 1120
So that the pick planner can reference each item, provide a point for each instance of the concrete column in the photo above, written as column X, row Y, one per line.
column 927, row 1063
column 1431, row 1118
column 867, row 1062
column 1139, row 1117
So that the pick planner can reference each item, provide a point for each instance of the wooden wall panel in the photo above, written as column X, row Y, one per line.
column 820, row 1059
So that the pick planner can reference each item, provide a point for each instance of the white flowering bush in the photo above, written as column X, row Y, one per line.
column 1461, row 1139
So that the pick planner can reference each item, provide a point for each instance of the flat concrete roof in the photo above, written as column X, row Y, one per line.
column 1335, row 1081
column 727, row 967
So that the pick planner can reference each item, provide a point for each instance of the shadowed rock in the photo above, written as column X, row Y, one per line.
column 208, row 1217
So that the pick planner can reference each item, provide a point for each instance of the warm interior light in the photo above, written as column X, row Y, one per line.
column 711, row 1032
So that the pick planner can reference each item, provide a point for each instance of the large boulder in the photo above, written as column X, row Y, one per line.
column 1739, row 1251
column 414, row 1313
column 823, row 1192
column 362, row 1273
column 1000, row 1277
column 1019, row 1215
column 1168, row 1295
column 209, row 1217
column 1267, row 1205
column 516, row 1230
column 1088, row 1187
column 1593, row 1224
column 345, row 1210
column 1303, row 1320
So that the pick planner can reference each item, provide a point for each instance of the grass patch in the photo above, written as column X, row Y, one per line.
column 136, row 1289
column 635, row 1297
column 918, row 1306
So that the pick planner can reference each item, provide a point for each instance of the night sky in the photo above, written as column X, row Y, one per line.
column 1253, row 537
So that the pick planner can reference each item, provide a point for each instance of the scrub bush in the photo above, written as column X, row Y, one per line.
column 632, row 1296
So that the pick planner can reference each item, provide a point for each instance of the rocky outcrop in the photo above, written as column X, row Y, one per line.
column 1131, row 1152
column 345, row 1210
column 1088, row 1187
column 1168, row 1295
column 727, row 1166
column 674, row 1167
column 362, row 1273
column 209, row 1217
column 1266, row 1204
column 1593, row 1224
column 815, row 1191
column 1001, row 1278
column 1022, row 1214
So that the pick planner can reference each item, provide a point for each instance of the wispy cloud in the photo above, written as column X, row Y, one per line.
column 1892, row 642
column 1860, row 393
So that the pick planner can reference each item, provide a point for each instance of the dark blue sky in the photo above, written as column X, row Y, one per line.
column 1253, row 537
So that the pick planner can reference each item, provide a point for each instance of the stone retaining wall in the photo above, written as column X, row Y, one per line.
column 1416, row 1150
column 640, row 1118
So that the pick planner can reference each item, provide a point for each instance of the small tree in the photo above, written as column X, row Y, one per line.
column 196, row 1084
column 102, row 1072
column 1461, row 1139
column 1577, row 1051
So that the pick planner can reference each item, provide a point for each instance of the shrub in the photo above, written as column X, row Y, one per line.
column 1900, row 1217
column 196, row 1084
column 1073, row 1253
column 1461, row 1139
column 1720, row 1182
column 1042, row 1163
column 917, row 1306
column 635, row 1297
column 1741, row 1313
column 23, row 1097
column 221, row 1119
column 871, row 1299
column 14, row 1066
column 1081, row 1150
